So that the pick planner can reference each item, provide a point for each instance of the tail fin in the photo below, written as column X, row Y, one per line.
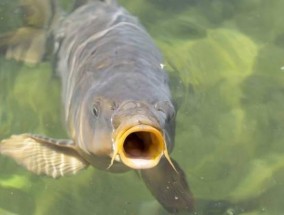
column 28, row 42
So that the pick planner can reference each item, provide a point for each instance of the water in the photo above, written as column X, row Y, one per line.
column 225, row 60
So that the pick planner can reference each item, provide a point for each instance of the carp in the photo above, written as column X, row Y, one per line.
column 118, row 107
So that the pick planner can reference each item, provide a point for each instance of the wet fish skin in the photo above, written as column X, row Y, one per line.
column 111, row 59
column 112, row 81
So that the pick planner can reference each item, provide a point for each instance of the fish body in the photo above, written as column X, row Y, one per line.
column 117, row 104
column 112, row 65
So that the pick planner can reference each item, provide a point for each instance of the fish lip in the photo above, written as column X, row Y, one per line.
column 156, row 150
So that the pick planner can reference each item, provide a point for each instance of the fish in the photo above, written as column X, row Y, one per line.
column 118, row 109
column 28, row 43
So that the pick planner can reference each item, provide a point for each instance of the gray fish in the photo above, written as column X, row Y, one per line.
column 28, row 42
column 117, row 104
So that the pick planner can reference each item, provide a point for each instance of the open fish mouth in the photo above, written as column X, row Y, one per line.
column 140, row 146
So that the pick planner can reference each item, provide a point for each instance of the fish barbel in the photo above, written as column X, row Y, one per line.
column 117, row 105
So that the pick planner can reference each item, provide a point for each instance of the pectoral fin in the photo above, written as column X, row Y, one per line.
column 43, row 155
column 169, row 186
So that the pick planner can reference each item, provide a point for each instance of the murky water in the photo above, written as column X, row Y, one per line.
column 226, row 62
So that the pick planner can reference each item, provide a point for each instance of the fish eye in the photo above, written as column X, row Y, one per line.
column 167, row 109
column 95, row 110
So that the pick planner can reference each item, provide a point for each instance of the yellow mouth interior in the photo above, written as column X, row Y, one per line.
column 140, row 146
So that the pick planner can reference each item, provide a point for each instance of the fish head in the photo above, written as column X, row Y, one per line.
column 93, row 129
column 133, row 132
column 142, row 133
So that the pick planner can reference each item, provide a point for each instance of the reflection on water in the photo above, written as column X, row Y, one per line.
column 226, row 61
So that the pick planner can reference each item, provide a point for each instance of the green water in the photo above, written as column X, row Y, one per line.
column 226, row 63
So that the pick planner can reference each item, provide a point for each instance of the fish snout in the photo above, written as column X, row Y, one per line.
column 138, row 136
column 140, row 146
column 137, row 112
column 138, row 142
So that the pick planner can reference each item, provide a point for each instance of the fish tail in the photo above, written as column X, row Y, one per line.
column 4, row 40
column 28, row 42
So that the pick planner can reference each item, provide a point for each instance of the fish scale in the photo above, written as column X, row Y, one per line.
column 117, row 105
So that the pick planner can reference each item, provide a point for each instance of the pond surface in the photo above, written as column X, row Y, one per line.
column 226, row 63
